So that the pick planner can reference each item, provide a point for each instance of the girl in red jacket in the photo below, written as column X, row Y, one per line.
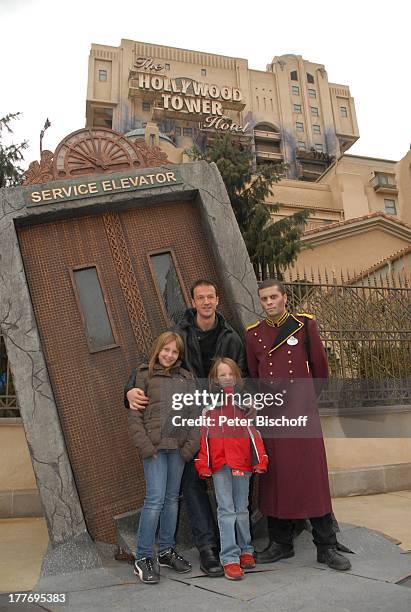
column 231, row 449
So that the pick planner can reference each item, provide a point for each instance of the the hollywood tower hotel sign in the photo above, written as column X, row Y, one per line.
column 189, row 97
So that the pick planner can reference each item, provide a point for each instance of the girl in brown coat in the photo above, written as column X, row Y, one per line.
column 164, row 449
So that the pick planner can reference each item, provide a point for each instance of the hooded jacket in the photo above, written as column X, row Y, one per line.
column 152, row 428
column 229, row 443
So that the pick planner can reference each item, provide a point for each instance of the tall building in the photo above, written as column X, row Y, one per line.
column 289, row 112
column 360, row 212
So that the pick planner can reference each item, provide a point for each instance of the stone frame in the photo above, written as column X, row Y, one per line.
column 202, row 183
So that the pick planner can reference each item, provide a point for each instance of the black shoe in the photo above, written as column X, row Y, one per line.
column 170, row 558
column 333, row 559
column 210, row 563
column 146, row 570
column 274, row 552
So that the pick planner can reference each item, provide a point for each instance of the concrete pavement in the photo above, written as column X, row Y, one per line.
column 379, row 580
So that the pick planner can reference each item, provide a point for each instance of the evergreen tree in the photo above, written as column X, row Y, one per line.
column 10, row 155
column 272, row 245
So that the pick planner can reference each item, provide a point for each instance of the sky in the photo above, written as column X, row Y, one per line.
column 45, row 44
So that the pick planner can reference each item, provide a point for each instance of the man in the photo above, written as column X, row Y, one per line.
column 206, row 335
column 285, row 350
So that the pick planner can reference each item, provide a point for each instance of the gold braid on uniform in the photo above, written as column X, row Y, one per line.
column 280, row 321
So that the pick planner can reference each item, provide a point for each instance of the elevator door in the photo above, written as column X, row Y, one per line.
column 103, row 287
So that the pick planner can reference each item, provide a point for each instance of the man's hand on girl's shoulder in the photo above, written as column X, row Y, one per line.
column 137, row 399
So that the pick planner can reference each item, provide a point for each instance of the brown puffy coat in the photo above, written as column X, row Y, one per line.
column 152, row 428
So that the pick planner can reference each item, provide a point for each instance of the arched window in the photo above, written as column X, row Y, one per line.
column 294, row 75
column 310, row 78
column 267, row 127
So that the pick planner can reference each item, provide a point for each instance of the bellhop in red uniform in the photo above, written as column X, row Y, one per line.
column 285, row 349
column 296, row 485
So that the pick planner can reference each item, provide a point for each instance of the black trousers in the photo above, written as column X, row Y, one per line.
column 281, row 531
column 199, row 509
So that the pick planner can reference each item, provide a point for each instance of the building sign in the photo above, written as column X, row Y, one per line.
column 191, row 97
column 223, row 124
column 84, row 188
column 147, row 63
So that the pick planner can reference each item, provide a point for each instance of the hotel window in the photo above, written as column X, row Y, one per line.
column 297, row 108
column 178, row 131
column 296, row 90
column 312, row 93
column 382, row 178
column 167, row 66
column 301, row 145
column 316, row 129
column 168, row 285
column 102, row 117
column 187, row 131
column 203, row 72
column 146, row 106
column 294, row 75
column 310, row 78
column 92, row 304
column 299, row 126
column 102, row 75
column 390, row 207
column 314, row 111
column 319, row 148
column 343, row 111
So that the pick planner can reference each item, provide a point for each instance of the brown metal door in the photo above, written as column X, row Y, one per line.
column 116, row 250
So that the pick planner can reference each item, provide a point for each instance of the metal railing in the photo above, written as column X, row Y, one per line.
column 8, row 399
column 365, row 324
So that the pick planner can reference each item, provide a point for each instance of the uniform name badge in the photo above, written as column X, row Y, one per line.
column 292, row 341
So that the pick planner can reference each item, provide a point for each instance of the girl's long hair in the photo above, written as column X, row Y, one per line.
column 234, row 369
column 160, row 343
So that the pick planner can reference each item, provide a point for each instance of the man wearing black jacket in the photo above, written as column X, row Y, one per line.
column 206, row 335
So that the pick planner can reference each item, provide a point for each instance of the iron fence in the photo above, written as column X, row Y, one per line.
column 365, row 324
column 8, row 399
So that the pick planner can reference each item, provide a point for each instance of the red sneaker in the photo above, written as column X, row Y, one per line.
column 247, row 561
column 233, row 571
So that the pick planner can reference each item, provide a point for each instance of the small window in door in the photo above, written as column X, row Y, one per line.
column 93, row 309
column 168, row 286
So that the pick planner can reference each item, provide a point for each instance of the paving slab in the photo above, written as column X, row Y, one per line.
column 168, row 595
column 96, row 578
column 317, row 591
column 375, row 556
column 388, row 513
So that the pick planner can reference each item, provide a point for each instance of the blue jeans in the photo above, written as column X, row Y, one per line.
column 232, row 513
column 163, row 479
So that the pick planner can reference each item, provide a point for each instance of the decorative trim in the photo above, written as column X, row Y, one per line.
column 89, row 151
column 134, row 303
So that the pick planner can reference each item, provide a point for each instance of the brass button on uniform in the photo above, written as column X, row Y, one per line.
column 259, row 340
column 264, row 346
column 290, row 372
column 291, row 381
column 271, row 373
column 289, row 352
column 289, row 361
column 255, row 334
column 270, row 363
